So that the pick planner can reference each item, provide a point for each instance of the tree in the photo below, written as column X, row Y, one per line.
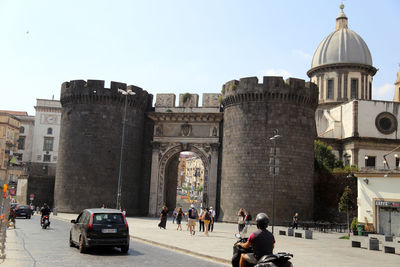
column 347, row 203
column 324, row 158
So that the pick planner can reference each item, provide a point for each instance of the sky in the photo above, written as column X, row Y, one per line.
column 178, row 46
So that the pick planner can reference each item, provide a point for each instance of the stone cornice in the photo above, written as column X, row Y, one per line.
column 340, row 66
column 185, row 117
column 48, row 109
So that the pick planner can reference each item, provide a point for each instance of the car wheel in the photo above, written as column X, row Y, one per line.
column 124, row 249
column 82, row 247
column 71, row 244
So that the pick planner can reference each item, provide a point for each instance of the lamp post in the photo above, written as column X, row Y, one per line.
column 121, row 158
column 274, row 173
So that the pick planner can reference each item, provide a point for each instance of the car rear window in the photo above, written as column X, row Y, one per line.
column 22, row 206
column 100, row 218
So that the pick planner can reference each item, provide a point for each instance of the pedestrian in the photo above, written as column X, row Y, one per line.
column 201, row 222
column 206, row 220
column 174, row 213
column 163, row 217
column 192, row 216
column 295, row 220
column 211, row 225
column 241, row 219
column 179, row 216
column 11, row 217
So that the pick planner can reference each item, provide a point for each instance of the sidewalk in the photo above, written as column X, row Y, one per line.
column 325, row 249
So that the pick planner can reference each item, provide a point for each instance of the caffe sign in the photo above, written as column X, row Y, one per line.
column 382, row 203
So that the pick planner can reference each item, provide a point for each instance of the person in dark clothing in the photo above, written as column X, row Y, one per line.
column 295, row 220
column 45, row 210
column 201, row 220
column 163, row 217
column 262, row 241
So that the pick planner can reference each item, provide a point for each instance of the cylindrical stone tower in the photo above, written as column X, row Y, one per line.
column 252, row 112
column 90, row 146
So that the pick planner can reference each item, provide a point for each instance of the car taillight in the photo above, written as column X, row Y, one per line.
column 126, row 223
column 90, row 226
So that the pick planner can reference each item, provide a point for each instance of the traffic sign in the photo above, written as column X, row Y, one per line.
column 31, row 196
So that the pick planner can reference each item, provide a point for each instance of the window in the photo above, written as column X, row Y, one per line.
column 386, row 123
column 354, row 88
column 21, row 142
column 22, row 129
column 330, row 89
column 46, row 158
column 370, row 161
column 48, row 144
column 397, row 162
column 49, row 131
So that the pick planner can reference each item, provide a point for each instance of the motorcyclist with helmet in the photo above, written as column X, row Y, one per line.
column 44, row 211
column 262, row 241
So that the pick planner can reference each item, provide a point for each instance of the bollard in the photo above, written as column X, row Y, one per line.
column 290, row 232
column 308, row 234
column 373, row 244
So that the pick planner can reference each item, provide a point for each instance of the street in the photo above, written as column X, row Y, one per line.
column 30, row 245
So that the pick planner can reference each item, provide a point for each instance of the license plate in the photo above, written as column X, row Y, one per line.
column 22, row 213
column 108, row 231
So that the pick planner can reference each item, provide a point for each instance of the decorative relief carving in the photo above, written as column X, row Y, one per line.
column 214, row 146
column 165, row 100
column 211, row 100
column 214, row 131
column 159, row 130
column 186, row 129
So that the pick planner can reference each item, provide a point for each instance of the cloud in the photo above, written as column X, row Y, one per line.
column 301, row 54
column 276, row 72
column 385, row 91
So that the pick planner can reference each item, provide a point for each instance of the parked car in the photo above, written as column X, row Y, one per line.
column 23, row 211
column 100, row 227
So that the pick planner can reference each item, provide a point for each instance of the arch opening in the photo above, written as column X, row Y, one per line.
column 184, row 181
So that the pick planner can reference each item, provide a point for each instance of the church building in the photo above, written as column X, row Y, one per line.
column 361, row 131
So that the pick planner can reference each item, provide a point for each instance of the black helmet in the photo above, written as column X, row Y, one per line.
column 262, row 220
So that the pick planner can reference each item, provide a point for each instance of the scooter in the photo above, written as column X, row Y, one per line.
column 45, row 222
column 281, row 259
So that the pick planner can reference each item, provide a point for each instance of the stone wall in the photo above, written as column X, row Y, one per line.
column 252, row 112
column 90, row 146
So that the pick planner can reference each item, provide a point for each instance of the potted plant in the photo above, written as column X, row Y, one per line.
column 353, row 226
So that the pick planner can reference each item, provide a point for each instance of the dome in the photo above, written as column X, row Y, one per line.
column 342, row 46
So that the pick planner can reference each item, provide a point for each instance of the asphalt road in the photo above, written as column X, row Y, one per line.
column 29, row 245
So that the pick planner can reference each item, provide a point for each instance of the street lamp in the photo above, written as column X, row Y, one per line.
column 125, row 93
column 273, row 139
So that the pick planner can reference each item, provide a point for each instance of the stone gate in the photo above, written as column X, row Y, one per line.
column 183, row 128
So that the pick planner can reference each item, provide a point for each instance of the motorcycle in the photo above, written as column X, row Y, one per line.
column 45, row 222
column 280, row 259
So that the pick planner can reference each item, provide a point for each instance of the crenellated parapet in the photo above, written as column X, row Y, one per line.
column 93, row 91
column 272, row 89
column 187, row 100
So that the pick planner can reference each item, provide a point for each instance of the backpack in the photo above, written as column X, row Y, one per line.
column 249, row 218
column 194, row 213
